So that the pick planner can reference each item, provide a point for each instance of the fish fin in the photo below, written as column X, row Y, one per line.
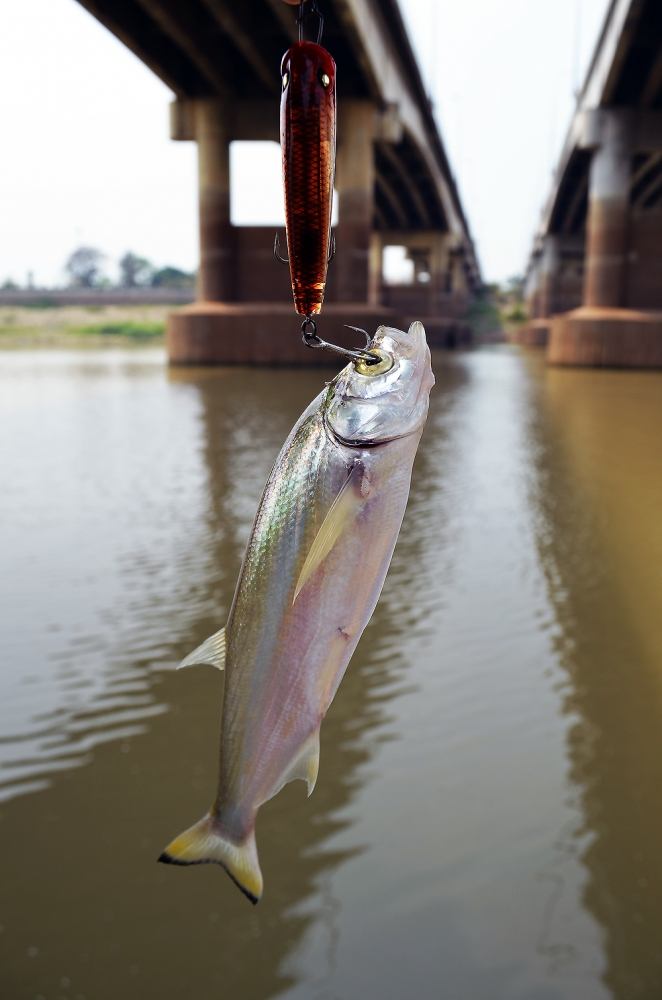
column 203, row 844
column 341, row 511
column 211, row 651
column 307, row 764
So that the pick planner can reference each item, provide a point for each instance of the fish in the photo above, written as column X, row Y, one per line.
column 308, row 149
column 316, row 560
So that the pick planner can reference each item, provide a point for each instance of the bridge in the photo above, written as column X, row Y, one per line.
column 594, row 280
column 221, row 59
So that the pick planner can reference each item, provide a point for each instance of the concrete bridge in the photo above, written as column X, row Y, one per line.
column 594, row 281
column 394, row 183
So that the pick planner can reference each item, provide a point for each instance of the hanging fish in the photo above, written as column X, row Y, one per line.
column 308, row 145
column 313, row 570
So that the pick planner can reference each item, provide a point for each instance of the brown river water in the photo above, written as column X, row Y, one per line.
column 487, row 823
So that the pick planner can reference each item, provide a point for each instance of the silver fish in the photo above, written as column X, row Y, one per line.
column 314, row 567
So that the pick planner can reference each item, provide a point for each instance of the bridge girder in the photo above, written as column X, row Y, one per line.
column 217, row 48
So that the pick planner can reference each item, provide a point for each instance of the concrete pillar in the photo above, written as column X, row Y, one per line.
column 608, row 216
column 357, row 268
column 451, row 280
column 216, row 279
column 531, row 284
column 447, row 292
column 549, row 275
column 226, row 325
column 375, row 267
column 420, row 258
column 438, row 263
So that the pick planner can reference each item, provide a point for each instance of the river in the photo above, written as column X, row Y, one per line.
column 487, row 824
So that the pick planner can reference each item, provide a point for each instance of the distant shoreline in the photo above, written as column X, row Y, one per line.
column 46, row 298
column 75, row 326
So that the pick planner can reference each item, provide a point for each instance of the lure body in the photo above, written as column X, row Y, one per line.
column 308, row 145
column 314, row 567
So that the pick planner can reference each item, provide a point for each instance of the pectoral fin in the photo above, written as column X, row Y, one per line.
column 211, row 651
column 341, row 513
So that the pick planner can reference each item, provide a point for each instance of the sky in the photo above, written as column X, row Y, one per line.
column 86, row 157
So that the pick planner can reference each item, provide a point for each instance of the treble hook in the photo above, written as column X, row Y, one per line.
column 286, row 260
column 310, row 338
column 277, row 253
column 303, row 13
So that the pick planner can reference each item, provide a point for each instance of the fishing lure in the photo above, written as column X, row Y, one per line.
column 308, row 144
column 308, row 147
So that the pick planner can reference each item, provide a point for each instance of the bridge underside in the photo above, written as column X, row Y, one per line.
column 595, row 294
column 222, row 61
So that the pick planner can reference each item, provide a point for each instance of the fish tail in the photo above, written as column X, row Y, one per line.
column 205, row 843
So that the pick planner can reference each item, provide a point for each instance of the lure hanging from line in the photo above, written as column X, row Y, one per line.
column 308, row 147
column 308, row 144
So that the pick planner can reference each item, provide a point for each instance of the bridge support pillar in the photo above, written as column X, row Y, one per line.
column 439, row 294
column 604, row 331
column 216, row 278
column 543, row 294
column 357, row 266
column 549, row 276
column 244, row 312
column 536, row 332
column 608, row 213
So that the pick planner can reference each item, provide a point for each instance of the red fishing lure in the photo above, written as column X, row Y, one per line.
column 308, row 144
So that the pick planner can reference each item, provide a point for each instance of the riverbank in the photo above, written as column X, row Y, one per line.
column 82, row 326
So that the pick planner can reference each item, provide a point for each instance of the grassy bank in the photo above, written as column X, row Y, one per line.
column 81, row 326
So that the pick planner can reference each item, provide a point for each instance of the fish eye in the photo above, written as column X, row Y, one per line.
column 325, row 79
column 382, row 364
column 286, row 80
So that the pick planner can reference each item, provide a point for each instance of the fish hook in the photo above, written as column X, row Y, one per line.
column 332, row 251
column 311, row 338
column 277, row 253
column 306, row 8
column 286, row 260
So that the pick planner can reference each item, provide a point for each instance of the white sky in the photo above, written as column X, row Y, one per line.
column 86, row 156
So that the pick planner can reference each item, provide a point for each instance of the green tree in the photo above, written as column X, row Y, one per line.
column 84, row 267
column 134, row 270
column 172, row 277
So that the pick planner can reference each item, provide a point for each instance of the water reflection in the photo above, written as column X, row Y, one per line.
column 74, row 545
column 184, row 490
column 598, row 495
column 485, row 811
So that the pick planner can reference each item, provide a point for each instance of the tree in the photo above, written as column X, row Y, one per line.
column 172, row 277
column 84, row 267
column 134, row 270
